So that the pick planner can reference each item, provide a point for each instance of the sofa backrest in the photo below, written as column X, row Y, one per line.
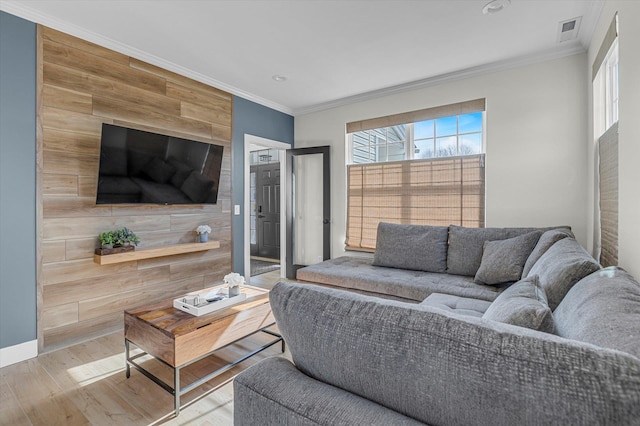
column 466, row 245
column 602, row 309
column 443, row 368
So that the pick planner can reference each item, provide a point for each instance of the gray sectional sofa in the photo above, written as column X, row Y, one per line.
column 561, row 345
column 411, row 261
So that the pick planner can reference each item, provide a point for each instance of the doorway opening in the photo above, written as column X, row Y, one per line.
column 265, row 245
column 264, row 210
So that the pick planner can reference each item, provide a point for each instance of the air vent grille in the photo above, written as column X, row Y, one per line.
column 568, row 30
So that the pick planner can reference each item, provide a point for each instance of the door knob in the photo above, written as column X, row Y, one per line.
column 325, row 221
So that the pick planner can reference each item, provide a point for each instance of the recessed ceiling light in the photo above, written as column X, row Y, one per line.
column 279, row 78
column 495, row 6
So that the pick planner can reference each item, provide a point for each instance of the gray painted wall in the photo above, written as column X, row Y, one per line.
column 257, row 120
column 17, row 180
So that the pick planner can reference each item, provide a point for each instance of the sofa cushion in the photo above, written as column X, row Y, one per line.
column 603, row 309
column 523, row 304
column 415, row 247
column 441, row 368
column 359, row 274
column 503, row 260
column 563, row 265
column 547, row 239
column 275, row 392
column 457, row 304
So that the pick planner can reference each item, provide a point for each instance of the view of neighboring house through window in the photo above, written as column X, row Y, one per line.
column 428, row 170
column 442, row 137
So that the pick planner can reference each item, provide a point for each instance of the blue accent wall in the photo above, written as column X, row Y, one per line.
column 17, row 180
column 257, row 120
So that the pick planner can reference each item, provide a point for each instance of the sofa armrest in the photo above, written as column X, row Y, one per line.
column 274, row 392
column 442, row 368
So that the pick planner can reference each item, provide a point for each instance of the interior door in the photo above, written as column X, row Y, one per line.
column 268, row 210
column 308, row 208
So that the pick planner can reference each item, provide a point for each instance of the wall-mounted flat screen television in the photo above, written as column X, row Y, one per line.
column 138, row 167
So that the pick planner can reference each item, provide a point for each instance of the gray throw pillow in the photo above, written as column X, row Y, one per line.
column 523, row 304
column 563, row 265
column 546, row 240
column 503, row 260
column 414, row 247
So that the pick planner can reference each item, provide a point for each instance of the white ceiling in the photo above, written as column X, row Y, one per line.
column 331, row 51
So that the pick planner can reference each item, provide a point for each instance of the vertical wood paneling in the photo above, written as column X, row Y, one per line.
column 80, row 86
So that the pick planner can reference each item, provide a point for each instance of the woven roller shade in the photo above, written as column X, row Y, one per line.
column 608, row 170
column 416, row 116
column 442, row 191
column 609, row 38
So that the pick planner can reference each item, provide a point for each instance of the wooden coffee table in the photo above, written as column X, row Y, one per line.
column 179, row 339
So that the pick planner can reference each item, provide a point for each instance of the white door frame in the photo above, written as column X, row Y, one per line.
column 254, row 143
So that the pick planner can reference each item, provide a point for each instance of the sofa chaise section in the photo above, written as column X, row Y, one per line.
column 439, row 367
column 278, row 393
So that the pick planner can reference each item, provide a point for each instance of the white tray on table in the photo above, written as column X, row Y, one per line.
column 186, row 303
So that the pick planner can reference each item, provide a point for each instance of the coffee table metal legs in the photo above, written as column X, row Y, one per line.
column 176, row 390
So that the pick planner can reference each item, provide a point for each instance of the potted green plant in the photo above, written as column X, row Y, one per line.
column 107, row 239
column 125, row 237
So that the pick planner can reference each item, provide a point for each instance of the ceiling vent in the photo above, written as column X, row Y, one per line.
column 568, row 30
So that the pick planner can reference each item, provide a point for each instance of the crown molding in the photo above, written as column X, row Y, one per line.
column 23, row 10
column 573, row 49
column 589, row 26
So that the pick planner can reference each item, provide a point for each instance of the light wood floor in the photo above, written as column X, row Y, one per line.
column 85, row 384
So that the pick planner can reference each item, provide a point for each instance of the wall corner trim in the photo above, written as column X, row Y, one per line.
column 17, row 353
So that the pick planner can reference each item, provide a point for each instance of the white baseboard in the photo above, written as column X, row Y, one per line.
column 17, row 353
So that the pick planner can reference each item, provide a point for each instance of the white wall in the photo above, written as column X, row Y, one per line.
column 536, row 152
column 628, row 130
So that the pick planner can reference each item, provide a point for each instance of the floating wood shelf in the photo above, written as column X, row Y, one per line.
column 155, row 252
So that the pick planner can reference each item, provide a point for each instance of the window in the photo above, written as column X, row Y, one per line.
column 442, row 137
column 605, row 82
column 429, row 171
column 611, row 85
column 605, row 129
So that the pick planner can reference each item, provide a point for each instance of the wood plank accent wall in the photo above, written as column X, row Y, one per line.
column 80, row 86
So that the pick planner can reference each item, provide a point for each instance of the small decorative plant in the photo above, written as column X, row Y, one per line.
column 125, row 237
column 120, row 237
column 233, row 282
column 203, row 229
column 203, row 232
column 107, row 239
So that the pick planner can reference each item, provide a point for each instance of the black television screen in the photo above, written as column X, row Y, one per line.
column 149, row 168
